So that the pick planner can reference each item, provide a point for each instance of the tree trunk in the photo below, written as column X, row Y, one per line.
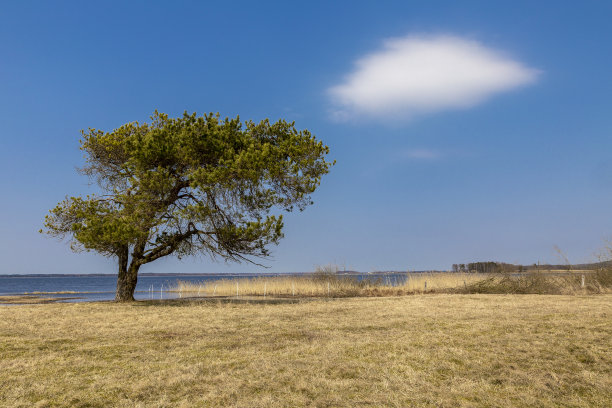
column 127, row 278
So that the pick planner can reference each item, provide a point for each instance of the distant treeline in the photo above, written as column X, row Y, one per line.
column 484, row 267
column 502, row 267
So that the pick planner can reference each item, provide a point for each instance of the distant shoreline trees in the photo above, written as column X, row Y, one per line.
column 502, row 267
column 484, row 267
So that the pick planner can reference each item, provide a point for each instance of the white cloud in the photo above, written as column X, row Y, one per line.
column 416, row 75
column 421, row 154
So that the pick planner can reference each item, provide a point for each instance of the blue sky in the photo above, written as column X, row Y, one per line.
column 462, row 131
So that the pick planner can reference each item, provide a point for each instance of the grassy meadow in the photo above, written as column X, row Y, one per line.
column 434, row 350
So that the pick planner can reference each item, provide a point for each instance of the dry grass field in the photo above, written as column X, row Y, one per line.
column 440, row 350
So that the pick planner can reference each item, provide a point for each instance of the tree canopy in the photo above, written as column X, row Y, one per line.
column 186, row 186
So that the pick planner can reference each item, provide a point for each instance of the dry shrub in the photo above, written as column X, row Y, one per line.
column 543, row 284
column 603, row 276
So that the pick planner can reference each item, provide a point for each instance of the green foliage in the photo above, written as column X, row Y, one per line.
column 194, row 184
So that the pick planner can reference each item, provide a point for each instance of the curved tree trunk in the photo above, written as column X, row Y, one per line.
column 126, row 278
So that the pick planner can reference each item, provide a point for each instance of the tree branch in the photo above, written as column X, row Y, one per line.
column 169, row 246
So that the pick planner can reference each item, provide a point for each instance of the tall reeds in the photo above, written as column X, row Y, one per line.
column 328, row 283
column 325, row 283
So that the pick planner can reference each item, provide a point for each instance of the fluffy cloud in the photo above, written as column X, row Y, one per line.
column 416, row 75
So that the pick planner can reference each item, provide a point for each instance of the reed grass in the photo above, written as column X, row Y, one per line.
column 327, row 285
column 330, row 284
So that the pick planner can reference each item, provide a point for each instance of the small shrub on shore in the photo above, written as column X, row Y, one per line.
column 543, row 284
column 603, row 277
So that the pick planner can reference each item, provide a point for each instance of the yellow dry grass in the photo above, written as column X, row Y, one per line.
column 424, row 350
column 428, row 282
column 327, row 285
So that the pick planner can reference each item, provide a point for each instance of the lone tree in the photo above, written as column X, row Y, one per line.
column 186, row 186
